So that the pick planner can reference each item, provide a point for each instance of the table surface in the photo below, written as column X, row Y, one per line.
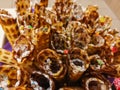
column 103, row 10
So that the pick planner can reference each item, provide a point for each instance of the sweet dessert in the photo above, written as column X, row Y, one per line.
column 96, row 81
column 77, row 64
column 51, row 63
column 62, row 48
column 40, row 80
column 10, row 26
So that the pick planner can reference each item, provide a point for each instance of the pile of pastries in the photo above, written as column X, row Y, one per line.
column 58, row 48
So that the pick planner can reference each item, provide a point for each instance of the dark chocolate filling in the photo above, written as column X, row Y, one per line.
column 78, row 62
column 58, row 42
column 53, row 65
column 41, row 80
column 94, row 62
column 94, row 85
column 95, row 41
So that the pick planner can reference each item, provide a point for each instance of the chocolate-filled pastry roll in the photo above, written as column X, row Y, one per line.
column 23, row 49
column 109, row 38
column 58, row 41
column 106, row 60
column 104, row 22
column 41, row 81
column 96, row 63
column 72, row 34
column 115, row 71
column 96, row 82
column 71, row 88
column 94, row 47
column 80, row 37
column 91, row 50
column 102, row 65
column 97, row 40
column 78, row 63
column 115, row 49
column 111, row 70
column 77, row 12
column 63, row 9
column 90, row 16
column 41, row 37
column 50, row 62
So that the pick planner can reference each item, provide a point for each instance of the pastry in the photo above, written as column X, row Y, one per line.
column 58, row 48
column 10, row 27
column 51, row 63
column 41, row 81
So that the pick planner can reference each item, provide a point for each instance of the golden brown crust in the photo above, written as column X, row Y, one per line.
column 51, row 63
column 23, row 49
column 65, row 45
column 2, row 11
column 41, row 80
column 6, row 57
column 44, row 3
column 71, row 88
column 78, row 63
column 10, row 27
column 22, row 6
